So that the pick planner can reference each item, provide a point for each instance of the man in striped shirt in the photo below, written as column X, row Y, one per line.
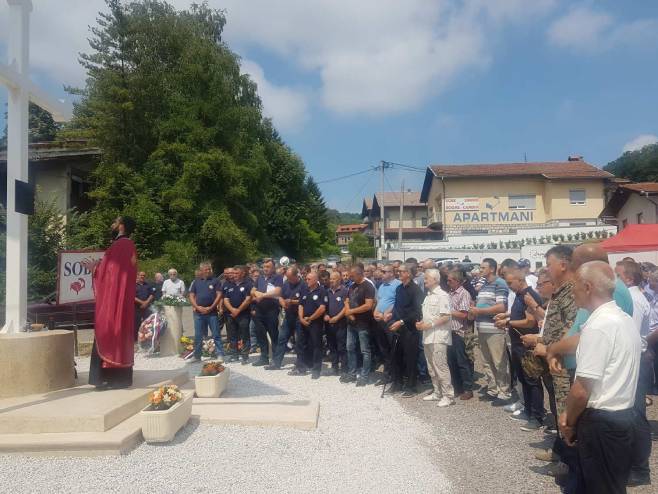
column 492, row 300
column 460, row 364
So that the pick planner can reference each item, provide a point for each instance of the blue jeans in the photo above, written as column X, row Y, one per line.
column 201, row 323
column 421, row 362
column 289, row 326
column 354, row 333
column 252, row 333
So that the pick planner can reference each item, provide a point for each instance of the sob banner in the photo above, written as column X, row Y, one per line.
column 74, row 282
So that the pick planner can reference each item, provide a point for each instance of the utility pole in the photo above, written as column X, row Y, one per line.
column 401, row 215
column 382, row 222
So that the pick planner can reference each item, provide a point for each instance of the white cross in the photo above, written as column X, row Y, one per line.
column 21, row 90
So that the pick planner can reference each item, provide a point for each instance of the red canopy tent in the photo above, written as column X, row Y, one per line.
column 633, row 238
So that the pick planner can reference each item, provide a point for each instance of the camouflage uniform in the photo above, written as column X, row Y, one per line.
column 559, row 318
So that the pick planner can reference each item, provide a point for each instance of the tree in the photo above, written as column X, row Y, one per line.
column 360, row 247
column 186, row 150
column 638, row 166
column 42, row 127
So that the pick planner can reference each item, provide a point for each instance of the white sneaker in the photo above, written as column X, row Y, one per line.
column 513, row 407
column 445, row 402
column 504, row 396
column 431, row 397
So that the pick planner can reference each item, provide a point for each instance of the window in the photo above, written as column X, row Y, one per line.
column 522, row 202
column 423, row 221
column 577, row 196
column 639, row 218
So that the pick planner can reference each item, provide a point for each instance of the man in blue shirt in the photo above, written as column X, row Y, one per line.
column 237, row 297
column 144, row 296
column 383, row 314
column 266, row 295
column 292, row 291
column 311, row 314
column 205, row 297
column 335, row 324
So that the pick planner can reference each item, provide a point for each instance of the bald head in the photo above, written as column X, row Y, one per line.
column 594, row 285
column 587, row 253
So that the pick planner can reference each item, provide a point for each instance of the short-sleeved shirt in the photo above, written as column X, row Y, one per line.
column 460, row 301
column 173, row 288
column 144, row 290
column 336, row 300
column 609, row 354
column 236, row 293
column 205, row 290
column 622, row 298
column 386, row 295
column 312, row 300
column 357, row 295
column 517, row 313
column 266, row 285
column 436, row 304
column 293, row 292
column 491, row 293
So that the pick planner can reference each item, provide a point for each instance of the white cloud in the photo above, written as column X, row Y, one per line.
column 639, row 142
column 587, row 30
column 287, row 107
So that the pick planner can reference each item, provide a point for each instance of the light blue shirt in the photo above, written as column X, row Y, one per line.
column 386, row 295
column 622, row 298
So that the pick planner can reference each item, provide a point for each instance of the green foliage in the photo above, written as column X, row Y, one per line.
column 42, row 127
column 337, row 218
column 186, row 150
column 360, row 246
column 639, row 166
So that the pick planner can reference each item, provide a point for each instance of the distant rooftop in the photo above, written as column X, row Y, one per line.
column 41, row 151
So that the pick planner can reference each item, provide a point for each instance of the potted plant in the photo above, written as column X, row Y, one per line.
column 213, row 380
column 169, row 409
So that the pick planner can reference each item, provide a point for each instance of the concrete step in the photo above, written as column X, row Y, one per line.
column 116, row 441
column 298, row 414
column 82, row 409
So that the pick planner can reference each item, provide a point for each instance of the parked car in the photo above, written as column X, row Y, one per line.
column 63, row 316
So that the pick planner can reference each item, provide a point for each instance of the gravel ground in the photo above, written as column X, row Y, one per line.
column 363, row 444
column 481, row 450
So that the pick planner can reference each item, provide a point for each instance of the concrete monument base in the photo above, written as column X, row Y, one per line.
column 37, row 362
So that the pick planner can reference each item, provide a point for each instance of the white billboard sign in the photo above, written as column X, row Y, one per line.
column 74, row 283
column 462, row 204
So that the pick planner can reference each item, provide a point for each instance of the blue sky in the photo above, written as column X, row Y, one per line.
column 421, row 81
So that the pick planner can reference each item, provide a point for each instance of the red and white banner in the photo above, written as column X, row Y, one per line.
column 74, row 282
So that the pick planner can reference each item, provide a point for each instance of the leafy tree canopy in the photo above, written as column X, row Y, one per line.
column 360, row 246
column 639, row 166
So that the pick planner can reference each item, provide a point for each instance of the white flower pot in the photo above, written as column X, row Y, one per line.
column 160, row 426
column 211, row 386
column 170, row 340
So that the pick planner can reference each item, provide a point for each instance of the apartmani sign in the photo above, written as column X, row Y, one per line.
column 74, row 283
column 467, row 210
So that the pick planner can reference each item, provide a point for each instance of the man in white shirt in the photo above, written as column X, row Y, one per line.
column 174, row 286
column 600, row 410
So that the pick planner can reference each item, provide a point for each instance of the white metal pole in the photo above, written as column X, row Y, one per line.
column 401, row 214
column 382, row 222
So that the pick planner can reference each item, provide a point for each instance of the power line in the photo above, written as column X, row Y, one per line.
column 345, row 176
column 412, row 167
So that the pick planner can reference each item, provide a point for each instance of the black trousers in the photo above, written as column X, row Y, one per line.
column 533, row 394
column 382, row 339
column 403, row 362
column 642, row 430
column 460, row 365
column 337, row 342
column 113, row 377
column 238, row 330
column 605, row 444
column 266, row 323
column 310, row 342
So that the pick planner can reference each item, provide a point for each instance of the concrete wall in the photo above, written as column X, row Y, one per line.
column 638, row 204
column 53, row 183
column 412, row 216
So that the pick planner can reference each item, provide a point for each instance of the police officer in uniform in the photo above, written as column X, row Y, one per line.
column 311, row 314
column 266, row 295
column 335, row 324
column 292, row 291
column 237, row 297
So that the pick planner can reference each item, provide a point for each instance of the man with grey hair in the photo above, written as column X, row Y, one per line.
column 600, row 410
column 205, row 296
column 173, row 286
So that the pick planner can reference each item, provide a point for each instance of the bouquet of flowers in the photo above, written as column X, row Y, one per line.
column 208, row 349
column 212, row 369
column 172, row 301
column 165, row 397
column 187, row 346
column 150, row 331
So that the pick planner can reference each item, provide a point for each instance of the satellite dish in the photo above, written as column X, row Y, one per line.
column 284, row 261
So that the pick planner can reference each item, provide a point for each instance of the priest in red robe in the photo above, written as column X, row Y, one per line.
column 112, row 356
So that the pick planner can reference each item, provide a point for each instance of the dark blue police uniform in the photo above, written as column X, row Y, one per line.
column 293, row 292
column 205, row 291
column 267, row 316
column 143, row 291
column 310, row 302
column 238, row 327
column 337, row 332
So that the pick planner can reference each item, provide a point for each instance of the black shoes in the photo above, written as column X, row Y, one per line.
column 635, row 480
column 260, row 363
column 315, row 375
column 362, row 381
column 272, row 367
column 347, row 378
column 408, row 393
column 297, row 372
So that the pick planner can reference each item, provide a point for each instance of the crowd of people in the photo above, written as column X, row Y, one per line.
column 576, row 330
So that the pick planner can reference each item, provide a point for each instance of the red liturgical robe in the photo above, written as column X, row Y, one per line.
column 114, row 286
